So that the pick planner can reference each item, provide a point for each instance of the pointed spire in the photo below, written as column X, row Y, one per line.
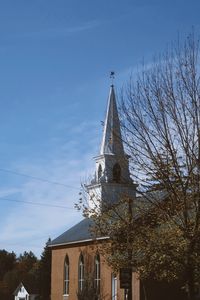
column 112, row 141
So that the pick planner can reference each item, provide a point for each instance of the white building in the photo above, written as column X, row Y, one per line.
column 21, row 293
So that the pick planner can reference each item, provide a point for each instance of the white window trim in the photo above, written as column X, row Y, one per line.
column 66, row 277
column 97, row 278
column 114, row 286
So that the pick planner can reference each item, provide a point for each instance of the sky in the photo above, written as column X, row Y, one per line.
column 55, row 60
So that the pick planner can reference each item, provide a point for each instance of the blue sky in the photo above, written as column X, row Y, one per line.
column 55, row 59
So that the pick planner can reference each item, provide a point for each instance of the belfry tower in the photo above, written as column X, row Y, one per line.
column 112, row 179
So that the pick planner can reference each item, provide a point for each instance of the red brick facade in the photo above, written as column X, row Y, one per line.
column 89, row 251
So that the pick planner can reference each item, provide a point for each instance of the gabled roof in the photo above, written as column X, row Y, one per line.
column 27, row 287
column 18, row 288
column 81, row 232
column 78, row 233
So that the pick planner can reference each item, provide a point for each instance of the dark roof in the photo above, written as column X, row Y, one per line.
column 77, row 233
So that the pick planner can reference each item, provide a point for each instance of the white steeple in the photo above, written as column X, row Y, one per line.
column 112, row 177
column 112, row 140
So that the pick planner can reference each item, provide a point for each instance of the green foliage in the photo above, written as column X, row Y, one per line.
column 45, row 272
column 7, row 262
column 26, row 262
column 33, row 273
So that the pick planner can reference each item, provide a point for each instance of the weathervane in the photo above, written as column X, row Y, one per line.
column 112, row 76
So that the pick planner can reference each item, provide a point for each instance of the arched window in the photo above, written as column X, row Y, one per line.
column 114, row 286
column 66, row 276
column 81, row 272
column 97, row 275
column 99, row 172
column 116, row 173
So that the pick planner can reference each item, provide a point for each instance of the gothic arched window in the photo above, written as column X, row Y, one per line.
column 97, row 274
column 114, row 286
column 66, row 276
column 81, row 272
column 99, row 172
column 116, row 173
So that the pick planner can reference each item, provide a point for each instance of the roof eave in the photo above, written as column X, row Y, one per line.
column 78, row 242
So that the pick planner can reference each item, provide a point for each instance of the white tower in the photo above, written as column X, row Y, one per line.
column 112, row 177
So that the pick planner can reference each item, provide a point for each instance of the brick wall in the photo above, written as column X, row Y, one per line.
column 89, row 251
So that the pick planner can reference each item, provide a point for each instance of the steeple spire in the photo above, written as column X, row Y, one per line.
column 112, row 141
column 112, row 179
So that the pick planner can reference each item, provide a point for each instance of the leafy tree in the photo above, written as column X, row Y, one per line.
column 164, row 121
column 159, row 232
column 7, row 262
column 35, row 274
column 15, row 270
column 11, row 281
column 45, row 272
column 26, row 261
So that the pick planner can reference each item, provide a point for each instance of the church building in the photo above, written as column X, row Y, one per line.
column 78, row 269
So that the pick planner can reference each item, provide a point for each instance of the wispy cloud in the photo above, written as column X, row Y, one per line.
column 131, row 73
column 60, row 31
column 27, row 227
column 9, row 191
column 26, row 222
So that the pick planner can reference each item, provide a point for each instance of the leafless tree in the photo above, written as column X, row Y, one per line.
column 161, row 122
column 158, row 233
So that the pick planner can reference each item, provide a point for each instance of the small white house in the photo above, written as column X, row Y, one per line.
column 21, row 293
